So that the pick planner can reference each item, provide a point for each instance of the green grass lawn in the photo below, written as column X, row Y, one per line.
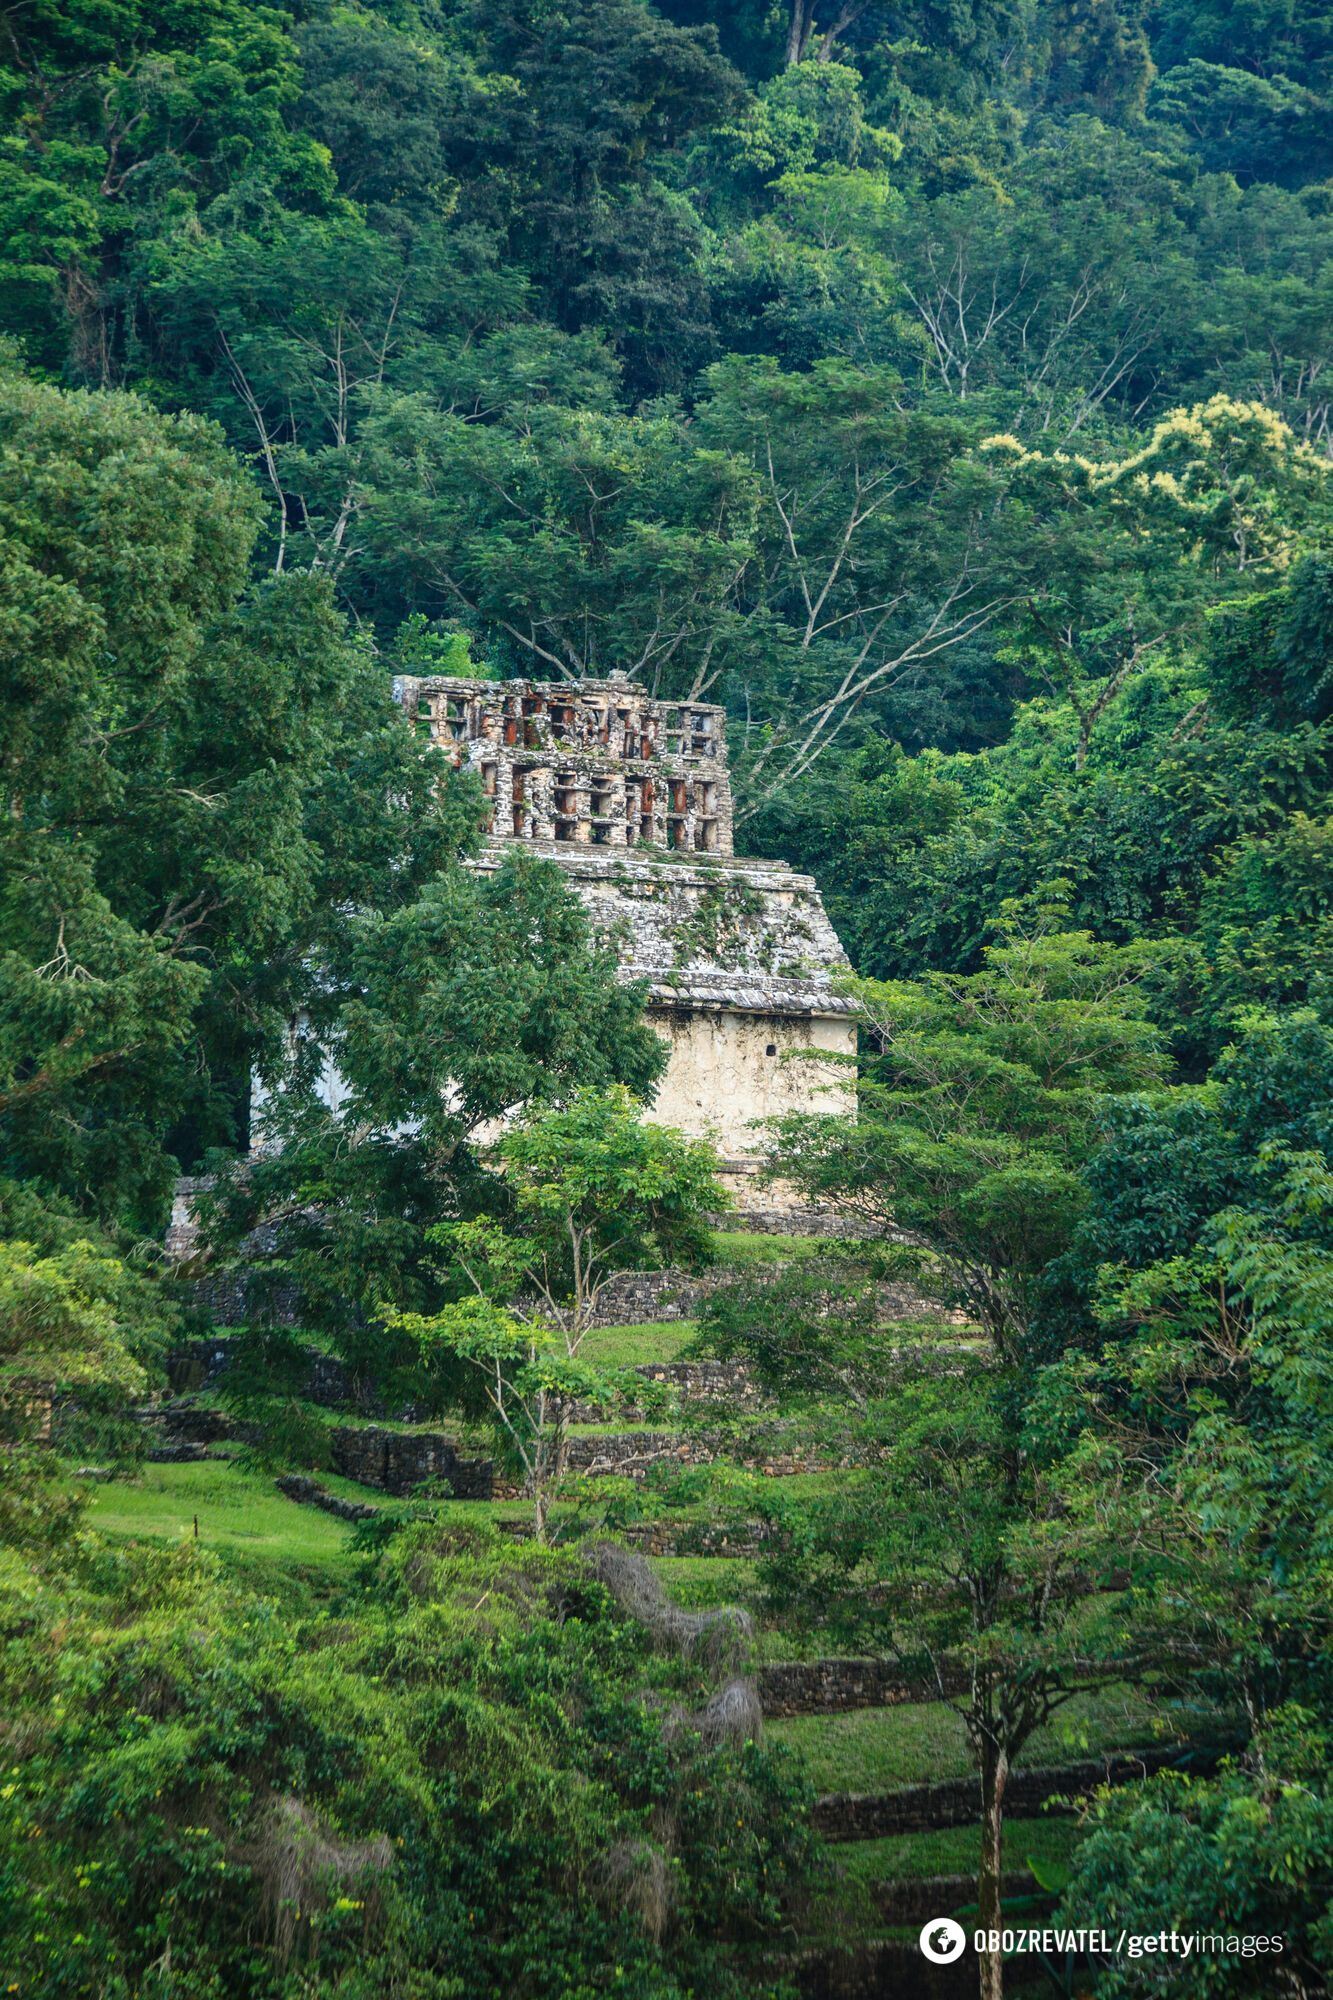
column 244, row 1518
column 739, row 1246
column 240, row 1515
column 698, row 1583
column 881, row 1749
column 846, row 1906
column 628, row 1346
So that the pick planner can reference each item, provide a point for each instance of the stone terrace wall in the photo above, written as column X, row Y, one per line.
column 632, row 1297
column 704, row 1381
column 700, row 1538
column 915, row 1902
column 770, row 1220
column 692, row 1381
column 235, row 1297
column 631, row 1454
column 396, row 1461
column 197, row 1364
column 832, row 1686
column 956, row 1802
column 892, row 1969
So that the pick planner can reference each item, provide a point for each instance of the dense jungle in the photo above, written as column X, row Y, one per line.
column 548, row 1583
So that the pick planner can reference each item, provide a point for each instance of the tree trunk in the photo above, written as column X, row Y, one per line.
column 994, row 1777
column 799, row 25
column 848, row 15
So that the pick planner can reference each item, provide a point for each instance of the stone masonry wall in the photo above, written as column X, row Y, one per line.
column 832, row 1686
column 598, row 764
column 727, row 1382
column 926, row 1808
column 396, row 1461
column 197, row 1364
column 758, row 1218
column 631, row 1297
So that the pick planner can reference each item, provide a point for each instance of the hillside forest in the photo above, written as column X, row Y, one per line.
column 944, row 390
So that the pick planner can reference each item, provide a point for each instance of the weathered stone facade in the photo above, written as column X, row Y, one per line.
column 598, row 764
column 632, row 798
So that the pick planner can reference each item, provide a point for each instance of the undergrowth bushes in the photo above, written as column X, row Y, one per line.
column 469, row 1776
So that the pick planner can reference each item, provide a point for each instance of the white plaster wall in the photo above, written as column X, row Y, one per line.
column 721, row 1077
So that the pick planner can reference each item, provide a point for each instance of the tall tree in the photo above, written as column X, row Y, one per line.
column 590, row 1190
column 485, row 995
column 199, row 779
column 981, row 1100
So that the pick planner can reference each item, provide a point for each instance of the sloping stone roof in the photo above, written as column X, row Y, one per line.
column 744, row 935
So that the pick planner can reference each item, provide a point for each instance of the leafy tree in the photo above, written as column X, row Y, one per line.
column 593, row 1190
column 813, row 1329
column 275, row 1796
column 200, row 781
column 1236, row 1858
column 1197, row 814
column 485, row 995
column 982, row 1098
column 634, row 567
column 1097, row 55
column 1226, row 482
column 870, row 561
column 63, row 1333
column 1050, row 291
column 972, row 1558
column 1216, row 1381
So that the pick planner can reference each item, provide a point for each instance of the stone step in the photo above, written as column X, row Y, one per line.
column 309, row 1493
column 835, row 1686
column 916, row 1900
column 844, row 1816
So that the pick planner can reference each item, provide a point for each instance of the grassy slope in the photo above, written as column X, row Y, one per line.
column 239, row 1514
column 627, row 1346
column 880, row 1749
column 846, row 1905
column 736, row 1246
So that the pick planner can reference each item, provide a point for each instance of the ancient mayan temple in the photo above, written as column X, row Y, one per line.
column 632, row 798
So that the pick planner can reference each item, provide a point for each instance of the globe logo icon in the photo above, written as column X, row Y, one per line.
column 942, row 1940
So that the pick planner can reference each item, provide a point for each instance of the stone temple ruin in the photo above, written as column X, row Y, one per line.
column 632, row 798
